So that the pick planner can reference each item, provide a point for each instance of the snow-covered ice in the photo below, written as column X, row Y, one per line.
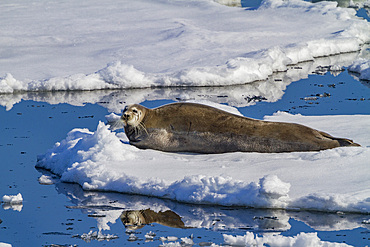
column 148, row 43
column 361, row 67
column 267, row 239
column 150, row 236
column 46, row 180
column 330, row 180
column 270, row 90
column 169, row 238
column 132, row 237
column 5, row 245
column 13, row 202
column 302, row 239
column 13, row 199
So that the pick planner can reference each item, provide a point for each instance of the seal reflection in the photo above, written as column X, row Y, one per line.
column 137, row 219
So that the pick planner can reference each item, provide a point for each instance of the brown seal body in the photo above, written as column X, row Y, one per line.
column 190, row 127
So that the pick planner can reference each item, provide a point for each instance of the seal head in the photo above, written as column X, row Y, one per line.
column 133, row 121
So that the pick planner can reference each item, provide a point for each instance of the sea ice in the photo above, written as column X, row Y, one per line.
column 302, row 239
column 11, row 199
column 103, row 160
column 173, row 43
column 132, row 237
column 150, row 235
column 46, row 180
column 270, row 90
column 361, row 67
column 5, row 245
column 169, row 238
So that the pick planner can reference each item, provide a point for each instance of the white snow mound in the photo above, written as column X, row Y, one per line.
column 13, row 199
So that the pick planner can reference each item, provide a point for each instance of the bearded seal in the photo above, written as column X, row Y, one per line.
column 198, row 128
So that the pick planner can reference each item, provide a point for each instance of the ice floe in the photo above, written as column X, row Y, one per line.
column 5, row 245
column 103, row 160
column 171, row 44
column 361, row 67
column 14, row 202
column 270, row 90
column 13, row 199
column 302, row 239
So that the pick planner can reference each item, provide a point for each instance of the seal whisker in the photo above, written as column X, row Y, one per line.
column 115, row 124
column 142, row 125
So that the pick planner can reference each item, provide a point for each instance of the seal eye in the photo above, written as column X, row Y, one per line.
column 134, row 111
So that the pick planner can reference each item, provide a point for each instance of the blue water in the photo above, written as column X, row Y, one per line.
column 363, row 13
column 335, row 95
column 251, row 3
column 60, row 213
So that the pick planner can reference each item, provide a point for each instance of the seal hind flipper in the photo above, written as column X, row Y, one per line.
column 347, row 142
column 343, row 142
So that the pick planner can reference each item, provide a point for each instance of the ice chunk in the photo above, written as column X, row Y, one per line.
column 5, row 245
column 100, row 160
column 11, row 199
column 46, row 180
column 361, row 67
column 302, row 239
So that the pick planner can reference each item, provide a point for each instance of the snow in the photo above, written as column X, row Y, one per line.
column 251, row 239
column 171, row 242
column 169, row 238
column 13, row 202
column 5, row 245
column 11, row 199
column 357, row 4
column 302, row 239
column 103, row 160
column 361, row 67
column 161, row 43
column 184, row 241
column 270, row 90
column 46, row 180
column 150, row 236
column 132, row 237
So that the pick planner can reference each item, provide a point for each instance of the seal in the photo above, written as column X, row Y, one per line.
column 198, row 128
